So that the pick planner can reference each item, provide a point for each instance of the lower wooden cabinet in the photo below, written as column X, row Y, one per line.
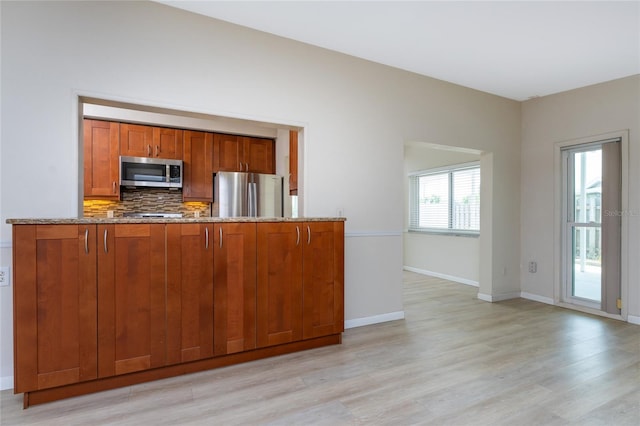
column 323, row 279
column 131, row 298
column 94, row 303
column 189, row 292
column 300, row 280
column 234, row 284
column 55, row 328
column 279, row 307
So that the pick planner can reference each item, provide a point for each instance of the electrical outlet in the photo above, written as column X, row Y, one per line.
column 340, row 212
column 4, row 276
column 533, row 267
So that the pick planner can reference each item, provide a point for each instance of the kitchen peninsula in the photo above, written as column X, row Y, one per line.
column 101, row 303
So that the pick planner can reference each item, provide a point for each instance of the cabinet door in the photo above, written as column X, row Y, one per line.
column 54, row 305
column 167, row 143
column 323, row 278
column 279, row 298
column 136, row 140
column 189, row 292
column 228, row 154
column 258, row 155
column 234, row 287
column 198, row 166
column 101, row 161
column 131, row 294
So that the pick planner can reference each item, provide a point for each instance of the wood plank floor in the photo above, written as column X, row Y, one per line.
column 455, row 360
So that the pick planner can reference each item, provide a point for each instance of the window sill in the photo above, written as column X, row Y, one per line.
column 447, row 232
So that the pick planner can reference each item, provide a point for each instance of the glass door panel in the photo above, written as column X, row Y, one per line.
column 587, row 268
column 583, row 281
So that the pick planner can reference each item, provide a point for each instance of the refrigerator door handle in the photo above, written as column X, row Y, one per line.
column 253, row 211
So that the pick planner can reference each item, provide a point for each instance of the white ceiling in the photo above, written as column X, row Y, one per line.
column 514, row 49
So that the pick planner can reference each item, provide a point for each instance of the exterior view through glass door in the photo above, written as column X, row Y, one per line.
column 591, row 226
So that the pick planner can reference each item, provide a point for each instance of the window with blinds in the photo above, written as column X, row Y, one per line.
column 446, row 199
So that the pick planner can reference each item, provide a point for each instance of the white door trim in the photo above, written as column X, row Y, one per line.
column 623, row 135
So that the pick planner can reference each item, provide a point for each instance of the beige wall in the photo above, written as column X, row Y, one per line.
column 356, row 116
column 571, row 116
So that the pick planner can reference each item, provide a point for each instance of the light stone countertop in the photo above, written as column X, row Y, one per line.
column 115, row 220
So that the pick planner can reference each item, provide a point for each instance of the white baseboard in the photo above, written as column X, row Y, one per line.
column 632, row 319
column 536, row 298
column 498, row 297
column 443, row 276
column 6, row 382
column 359, row 322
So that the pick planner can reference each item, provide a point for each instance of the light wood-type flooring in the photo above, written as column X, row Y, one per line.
column 454, row 360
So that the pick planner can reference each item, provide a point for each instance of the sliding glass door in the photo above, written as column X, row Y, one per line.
column 591, row 226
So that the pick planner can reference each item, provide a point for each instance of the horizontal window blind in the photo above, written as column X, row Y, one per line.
column 446, row 199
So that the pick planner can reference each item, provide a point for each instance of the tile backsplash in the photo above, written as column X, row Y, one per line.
column 145, row 200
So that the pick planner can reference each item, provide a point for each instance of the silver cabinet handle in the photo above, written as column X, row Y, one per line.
column 106, row 250
column 298, row 232
column 246, row 166
column 113, row 187
column 148, row 150
column 86, row 240
column 206, row 233
column 157, row 150
column 220, row 231
column 308, row 235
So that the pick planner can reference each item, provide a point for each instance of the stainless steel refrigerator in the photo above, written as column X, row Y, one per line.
column 238, row 194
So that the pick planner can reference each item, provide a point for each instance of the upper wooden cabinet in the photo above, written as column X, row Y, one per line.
column 101, row 161
column 259, row 154
column 197, row 182
column 293, row 162
column 228, row 155
column 168, row 143
column 55, row 317
column 244, row 154
column 146, row 141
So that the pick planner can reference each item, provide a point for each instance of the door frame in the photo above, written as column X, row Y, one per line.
column 558, row 226
column 568, row 184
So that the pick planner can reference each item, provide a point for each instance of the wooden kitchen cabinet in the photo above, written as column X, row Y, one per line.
column 55, row 333
column 168, row 143
column 293, row 162
column 234, row 263
column 323, row 279
column 259, row 154
column 131, row 294
column 138, row 140
column 244, row 154
column 103, row 305
column 101, row 160
column 300, row 281
column 198, row 166
column 190, row 312
column 228, row 155
column 279, row 283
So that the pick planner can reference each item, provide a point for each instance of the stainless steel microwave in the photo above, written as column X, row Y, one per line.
column 153, row 172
